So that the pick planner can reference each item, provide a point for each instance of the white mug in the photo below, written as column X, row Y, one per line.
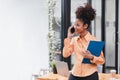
column 113, row 72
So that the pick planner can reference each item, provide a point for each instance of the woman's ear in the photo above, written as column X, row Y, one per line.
column 85, row 26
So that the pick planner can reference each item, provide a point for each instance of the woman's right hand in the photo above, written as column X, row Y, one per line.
column 70, row 34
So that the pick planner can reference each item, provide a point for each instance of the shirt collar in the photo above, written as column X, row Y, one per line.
column 87, row 36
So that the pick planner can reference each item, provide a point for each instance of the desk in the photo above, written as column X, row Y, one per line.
column 51, row 76
column 104, row 76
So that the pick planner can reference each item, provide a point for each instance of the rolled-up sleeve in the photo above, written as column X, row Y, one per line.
column 68, row 47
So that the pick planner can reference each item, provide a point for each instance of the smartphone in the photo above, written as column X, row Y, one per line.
column 72, row 30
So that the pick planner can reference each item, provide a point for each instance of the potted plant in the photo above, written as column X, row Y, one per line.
column 54, row 70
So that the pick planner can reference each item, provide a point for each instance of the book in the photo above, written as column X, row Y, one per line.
column 95, row 47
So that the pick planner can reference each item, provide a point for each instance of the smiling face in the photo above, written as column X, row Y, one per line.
column 80, row 27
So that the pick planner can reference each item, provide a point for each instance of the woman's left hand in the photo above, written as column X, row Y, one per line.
column 87, row 54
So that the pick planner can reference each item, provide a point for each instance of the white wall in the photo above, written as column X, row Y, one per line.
column 23, row 38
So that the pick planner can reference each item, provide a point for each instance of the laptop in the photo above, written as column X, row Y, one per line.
column 62, row 68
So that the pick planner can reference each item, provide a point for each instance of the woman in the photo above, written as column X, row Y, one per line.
column 77, row 45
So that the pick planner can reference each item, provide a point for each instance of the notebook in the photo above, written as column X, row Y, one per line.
column 95, row 47
column 62, row 68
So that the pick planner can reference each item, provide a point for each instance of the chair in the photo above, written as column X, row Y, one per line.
column 100, row 67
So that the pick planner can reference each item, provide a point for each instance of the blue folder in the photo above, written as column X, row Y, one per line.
column 95, row 47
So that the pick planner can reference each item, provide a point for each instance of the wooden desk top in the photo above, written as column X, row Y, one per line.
column 51, row 76
column 104, row 76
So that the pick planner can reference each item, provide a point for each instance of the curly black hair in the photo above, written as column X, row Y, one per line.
column 86, row 14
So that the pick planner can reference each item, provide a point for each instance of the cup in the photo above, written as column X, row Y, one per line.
column 43, row 72
column 113, row 73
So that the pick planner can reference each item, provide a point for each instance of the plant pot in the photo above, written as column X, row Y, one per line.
column 54, row 69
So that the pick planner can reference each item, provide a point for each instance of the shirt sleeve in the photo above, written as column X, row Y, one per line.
column 98, row 60
column 68, row 47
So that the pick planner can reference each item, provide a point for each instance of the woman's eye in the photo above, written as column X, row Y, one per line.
column 77, row 25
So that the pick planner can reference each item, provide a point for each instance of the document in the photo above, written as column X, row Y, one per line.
column 95, row 47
